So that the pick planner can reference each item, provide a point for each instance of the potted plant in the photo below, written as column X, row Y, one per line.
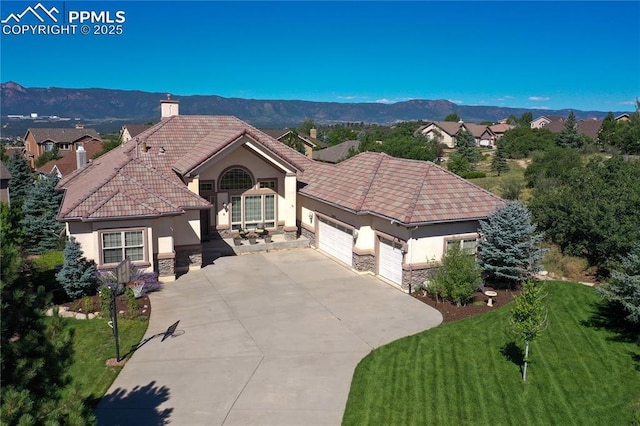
column 252, row 236
column 237, row 240
column 266, row 236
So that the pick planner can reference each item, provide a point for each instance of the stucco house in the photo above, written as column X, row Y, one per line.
column 309, row 142
column 544, row 121
column 189, row 178
column 446, row 132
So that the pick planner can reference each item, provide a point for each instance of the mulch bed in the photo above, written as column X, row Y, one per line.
column 141, row 311
column 450, row 312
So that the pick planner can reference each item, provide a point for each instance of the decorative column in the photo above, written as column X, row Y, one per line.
column 290, row 229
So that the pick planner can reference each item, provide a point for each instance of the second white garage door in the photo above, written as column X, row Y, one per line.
column 390, row 261
column 336, row 240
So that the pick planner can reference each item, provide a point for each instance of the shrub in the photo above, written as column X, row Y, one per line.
column 78, row 275
column 472, row 174
column 458, row 279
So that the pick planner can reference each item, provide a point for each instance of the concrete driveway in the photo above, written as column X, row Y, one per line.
column 263, row 339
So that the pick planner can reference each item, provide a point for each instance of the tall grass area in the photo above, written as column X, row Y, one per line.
column 93, row 345
column 495, row 184
column 469, row 372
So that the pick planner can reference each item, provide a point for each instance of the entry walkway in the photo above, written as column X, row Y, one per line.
column 263, row 339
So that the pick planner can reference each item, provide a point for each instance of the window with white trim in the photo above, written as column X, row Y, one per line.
column 249, row 211
column 117, row 245
column 268, row 184
column 64, row 146
column 48, row 146
column 236, row 179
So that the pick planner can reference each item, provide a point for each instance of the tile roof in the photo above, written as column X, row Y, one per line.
column 61, row 135
column 501, row 128
column 276, row 133
column 409, row 191
column 477, row 130
column 132, row 181
column 584, row 127
column 336, row 153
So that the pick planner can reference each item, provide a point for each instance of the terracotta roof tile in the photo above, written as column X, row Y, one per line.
column 406, row 190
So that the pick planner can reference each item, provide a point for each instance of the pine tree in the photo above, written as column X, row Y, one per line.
column 78, row 275
column 624, row 285
column 21, row 181
column 508, row 252
column 499, row 163
column 34, row 354
column 466, row 146
column 569, row 136
column 42, row 232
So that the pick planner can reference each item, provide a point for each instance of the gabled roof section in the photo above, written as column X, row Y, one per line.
column 135, row 129
column 68, row 163
column 143, row 176
column 409, row 191
column 477, row 130
column 61, row 135
column 336, row 153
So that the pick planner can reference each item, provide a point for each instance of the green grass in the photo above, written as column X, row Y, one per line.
column 93, row 344
column 494, row 183
column 468, row 372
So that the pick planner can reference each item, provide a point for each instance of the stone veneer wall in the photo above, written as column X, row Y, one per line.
column 310, row 235
column 290, row 234
column 165, row 265
column 416, row 277
column 187, row 256
column 364, row 262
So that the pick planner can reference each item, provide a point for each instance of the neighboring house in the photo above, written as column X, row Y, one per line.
column 622, row 117
column 310, row 142
column 500, row 129
column 69, row 162
column 446, row 131
column 335, row 154
column 37, row 141
column 4, row 183
column 544, row 121
column 192, row 177
column 588, row 128
column 130, row 131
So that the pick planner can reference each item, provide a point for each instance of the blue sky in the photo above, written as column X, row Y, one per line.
column 582, row 55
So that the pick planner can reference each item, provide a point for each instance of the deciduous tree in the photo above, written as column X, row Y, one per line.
column 529, row 317
column 452, row 117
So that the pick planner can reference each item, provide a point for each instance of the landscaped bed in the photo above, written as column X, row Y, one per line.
column 581, row 371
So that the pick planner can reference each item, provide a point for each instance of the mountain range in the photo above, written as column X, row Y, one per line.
column 108, row 109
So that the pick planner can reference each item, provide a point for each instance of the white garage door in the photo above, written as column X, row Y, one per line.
column 390, row 263
column 336, row 240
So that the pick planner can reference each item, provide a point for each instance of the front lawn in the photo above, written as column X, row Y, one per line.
column 93, row 345
column 468, row 372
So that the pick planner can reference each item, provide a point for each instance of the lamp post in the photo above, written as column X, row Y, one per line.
column 123, row 275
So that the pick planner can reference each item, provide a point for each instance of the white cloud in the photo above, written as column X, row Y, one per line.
column 627, row 103
column 352, row 97
column 504, row 98
column 539, row 98
column 456, row 101
column 392, row 101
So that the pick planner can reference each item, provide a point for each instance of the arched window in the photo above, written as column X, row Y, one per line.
column 236, row 179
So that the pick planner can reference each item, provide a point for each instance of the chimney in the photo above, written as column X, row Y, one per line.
column 313, row 133
column 81, row 157
column 168, row 107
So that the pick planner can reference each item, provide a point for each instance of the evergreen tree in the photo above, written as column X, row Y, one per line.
column 508, row 252
column 624, row 285
column 529, row 317
column 606, row 134
column 466, row 146
column 569, row 136
column 10, row 227
column 21, row 180
column 499, row 163
column 42, row 232
column 78, row 275
column 34, row 354
column 452, row 117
